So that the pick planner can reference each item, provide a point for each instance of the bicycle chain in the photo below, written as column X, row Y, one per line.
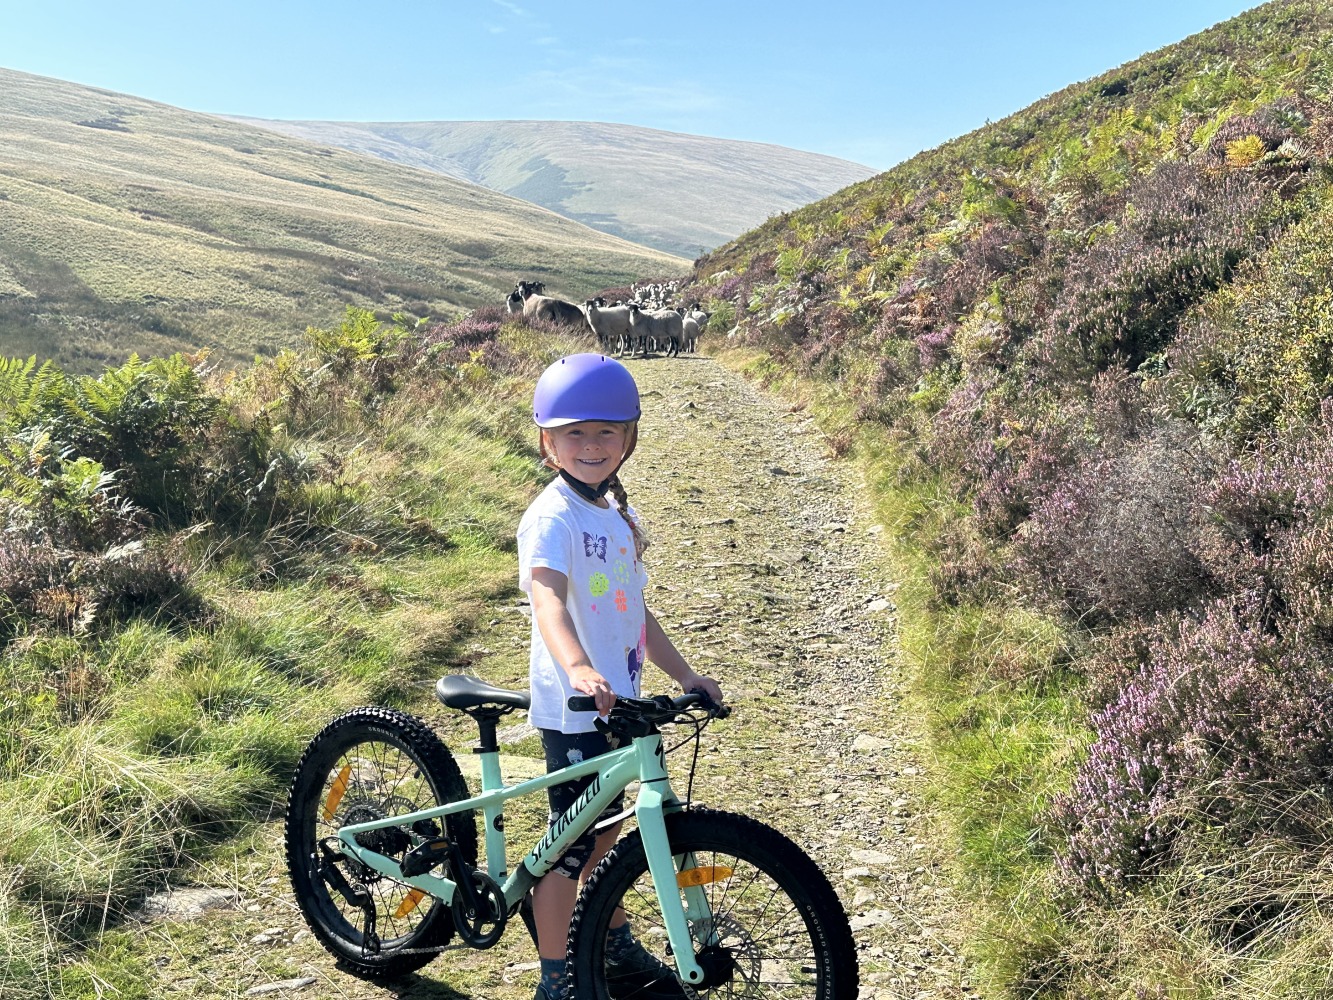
column 427, row 951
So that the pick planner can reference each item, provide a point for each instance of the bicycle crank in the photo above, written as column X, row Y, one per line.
column 479, row 909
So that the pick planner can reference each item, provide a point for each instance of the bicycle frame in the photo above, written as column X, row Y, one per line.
column 644, row 760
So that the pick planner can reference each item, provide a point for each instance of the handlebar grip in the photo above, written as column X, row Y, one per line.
column 719, row 711
column 582, row 703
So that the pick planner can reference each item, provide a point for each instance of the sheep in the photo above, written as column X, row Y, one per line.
column 654, row 295
column 662, row 328
column 539, row 306
column 694, row 323
column 514, row 303
column 609, row 323
column 689, row 334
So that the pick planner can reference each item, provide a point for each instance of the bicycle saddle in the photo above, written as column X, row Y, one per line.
column 457, row 691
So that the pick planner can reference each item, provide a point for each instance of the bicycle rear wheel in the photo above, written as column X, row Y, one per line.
column 774, row 926
column 365, row 765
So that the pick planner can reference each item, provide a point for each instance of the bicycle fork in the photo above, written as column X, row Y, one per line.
column 685, row 917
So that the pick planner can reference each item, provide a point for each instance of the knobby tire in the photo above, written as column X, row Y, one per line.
column 366, row 764
column 778, row 926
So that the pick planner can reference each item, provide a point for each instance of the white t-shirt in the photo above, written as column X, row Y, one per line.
column 594, row 548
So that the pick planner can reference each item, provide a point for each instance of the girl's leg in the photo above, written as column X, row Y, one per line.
column 605, row 841
column 554, row 896
column 552, row 907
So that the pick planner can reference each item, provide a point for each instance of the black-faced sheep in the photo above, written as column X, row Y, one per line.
column 539, row 306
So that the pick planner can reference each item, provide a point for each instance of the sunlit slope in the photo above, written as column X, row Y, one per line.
column 1086, row 353
column 127, row 225
column 680, row 193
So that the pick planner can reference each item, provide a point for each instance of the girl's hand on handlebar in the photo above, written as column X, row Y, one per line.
column 705, row 685
column 588, row 681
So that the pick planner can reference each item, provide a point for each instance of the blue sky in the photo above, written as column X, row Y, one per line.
column 868, row 81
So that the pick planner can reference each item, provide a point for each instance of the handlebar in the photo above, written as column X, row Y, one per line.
column 654, row 711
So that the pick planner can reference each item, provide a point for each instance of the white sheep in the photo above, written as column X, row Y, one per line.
column 661, row 328
column 694, row 323
column 689, row 334
column 610, row 324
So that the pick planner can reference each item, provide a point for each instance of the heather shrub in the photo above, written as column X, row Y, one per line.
column 45, row 588
column 480, row 326
column 1115, row 539
column 1261, row 354
column 1019, row 469
column 1260, row 133
column 1182, row 238
column 1225, row 725
column 1272, row 518
column 1303, row 574
column 32, row 571
column 137, row 578
column 933, row 346
column 1280, row 486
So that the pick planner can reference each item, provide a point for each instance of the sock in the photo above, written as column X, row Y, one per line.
column 618, row 941
column 553, row 976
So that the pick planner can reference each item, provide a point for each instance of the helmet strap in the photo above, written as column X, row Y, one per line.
column 590, row 493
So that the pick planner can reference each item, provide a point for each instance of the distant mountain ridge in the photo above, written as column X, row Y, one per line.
column 131, row 226
column 683, row 194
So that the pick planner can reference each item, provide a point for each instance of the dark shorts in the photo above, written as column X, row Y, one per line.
column 563, row 749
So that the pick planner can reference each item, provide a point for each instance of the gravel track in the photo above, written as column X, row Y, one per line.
column 766, row 569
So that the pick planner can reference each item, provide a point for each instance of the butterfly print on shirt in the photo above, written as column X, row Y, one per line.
column 594, row 545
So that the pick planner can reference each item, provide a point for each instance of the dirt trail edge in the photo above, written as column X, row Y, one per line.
column 767, row 570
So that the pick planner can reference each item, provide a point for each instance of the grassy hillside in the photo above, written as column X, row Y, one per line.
column 682, row 194
column 131, row 226
column 199, row 570
column 1085, row 354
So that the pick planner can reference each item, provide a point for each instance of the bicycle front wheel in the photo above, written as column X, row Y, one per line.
column 772, row 925
column 369, row 764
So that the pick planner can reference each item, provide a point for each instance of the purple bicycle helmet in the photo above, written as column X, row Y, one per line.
column 585, row 387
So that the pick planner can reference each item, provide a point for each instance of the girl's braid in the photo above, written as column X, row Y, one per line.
column 617, row 490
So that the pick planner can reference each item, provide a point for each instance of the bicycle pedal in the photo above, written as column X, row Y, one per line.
column 424, row 857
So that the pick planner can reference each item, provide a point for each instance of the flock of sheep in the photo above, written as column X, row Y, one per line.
column 645, row 324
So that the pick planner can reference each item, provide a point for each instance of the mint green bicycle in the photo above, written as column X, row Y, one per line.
column 381, row 842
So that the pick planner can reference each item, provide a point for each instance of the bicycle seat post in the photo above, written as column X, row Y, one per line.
column 488, row 749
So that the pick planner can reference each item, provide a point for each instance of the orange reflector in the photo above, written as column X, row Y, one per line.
column 702, row 876
column 409, row 903
column 337, row 792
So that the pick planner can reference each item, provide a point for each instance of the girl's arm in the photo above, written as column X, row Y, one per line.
column 664, row 653
column 550, row 591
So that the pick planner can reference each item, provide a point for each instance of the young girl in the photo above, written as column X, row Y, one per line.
column 580, row 555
